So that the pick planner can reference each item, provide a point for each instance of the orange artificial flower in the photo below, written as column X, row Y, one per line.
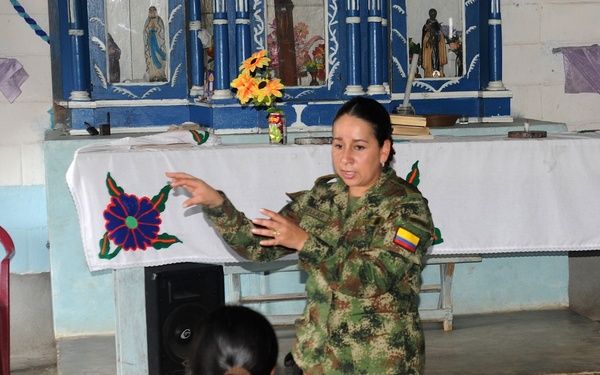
column 256, row 61
column 267, row 90
column 245, row 85
column 255, row 85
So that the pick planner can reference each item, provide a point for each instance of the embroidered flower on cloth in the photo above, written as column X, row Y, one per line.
column 133, row 223
column 413, row 178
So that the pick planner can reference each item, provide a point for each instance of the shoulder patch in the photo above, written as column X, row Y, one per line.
column 406, row 239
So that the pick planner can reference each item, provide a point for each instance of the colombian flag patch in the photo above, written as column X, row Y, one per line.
column 406, row 239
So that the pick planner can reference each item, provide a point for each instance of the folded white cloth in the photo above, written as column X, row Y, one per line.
column 160, row 141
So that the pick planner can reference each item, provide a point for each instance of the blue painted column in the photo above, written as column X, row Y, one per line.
column 353, row 49
column 495, row 46
column 196, row 49
column 221, row 35
column 385, row 35
column 375, row 48
column 80, row 70
column 242, row 31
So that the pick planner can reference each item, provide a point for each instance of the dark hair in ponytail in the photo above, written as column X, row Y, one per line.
column 373, row 112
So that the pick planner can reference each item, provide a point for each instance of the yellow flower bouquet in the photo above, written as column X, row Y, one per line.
column 256, row 85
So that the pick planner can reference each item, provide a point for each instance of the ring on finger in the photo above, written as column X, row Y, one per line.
column 275, row 233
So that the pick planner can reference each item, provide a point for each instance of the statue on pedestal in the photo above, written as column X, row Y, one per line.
column 154, row 46
column 433, row 51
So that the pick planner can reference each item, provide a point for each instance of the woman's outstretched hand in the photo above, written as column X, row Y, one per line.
column 202, row 193
column 283, row 232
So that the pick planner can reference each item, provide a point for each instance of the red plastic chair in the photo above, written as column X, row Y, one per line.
column 9, row 246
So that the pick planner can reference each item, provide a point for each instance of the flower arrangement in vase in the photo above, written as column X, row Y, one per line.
column 256, row 85
column 454, row 45
column 315, row 65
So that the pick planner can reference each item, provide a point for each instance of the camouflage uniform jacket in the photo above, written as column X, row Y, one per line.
column 364, row 270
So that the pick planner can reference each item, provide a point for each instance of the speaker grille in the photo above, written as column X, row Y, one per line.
column 178, row 299
column 180, row 328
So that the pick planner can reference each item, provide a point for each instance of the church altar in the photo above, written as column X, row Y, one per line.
column 487, row 194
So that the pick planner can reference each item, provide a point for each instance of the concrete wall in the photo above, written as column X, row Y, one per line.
column 531, row 29
column 32, row 334
column 22, row 186
column 584, row 283
column 22, row 127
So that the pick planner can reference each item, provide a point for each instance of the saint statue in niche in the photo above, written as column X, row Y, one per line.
column 433, row 52
column 114, row 55
column 154, row 46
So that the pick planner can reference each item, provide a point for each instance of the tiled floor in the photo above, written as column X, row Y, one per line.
column 519, row 343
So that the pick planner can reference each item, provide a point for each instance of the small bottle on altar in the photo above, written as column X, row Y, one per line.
column 277, row 128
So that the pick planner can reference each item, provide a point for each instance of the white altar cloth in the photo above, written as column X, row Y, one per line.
column 487, row 194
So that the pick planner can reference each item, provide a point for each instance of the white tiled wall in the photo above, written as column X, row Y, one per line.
column 22, row 123
column 531, row 29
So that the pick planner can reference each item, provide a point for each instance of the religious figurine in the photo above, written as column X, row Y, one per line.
column 433, row 51
column 154, row 46
column 114, row 55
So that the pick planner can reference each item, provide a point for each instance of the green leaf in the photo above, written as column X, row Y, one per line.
column 199, row 138
column 113, row 189
column 437, row 236
column 413, row 176
column 160, row 199
column 105, row 248
column 164, row 241
column 274, row 110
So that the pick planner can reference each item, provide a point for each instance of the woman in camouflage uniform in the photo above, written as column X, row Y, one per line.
column 360, row 236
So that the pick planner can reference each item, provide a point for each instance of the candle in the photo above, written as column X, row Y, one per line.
column 526, row 126
column 72, row 15
column 450, row 27
column 411, row 78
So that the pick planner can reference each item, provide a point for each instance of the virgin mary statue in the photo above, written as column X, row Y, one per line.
column 154, row 46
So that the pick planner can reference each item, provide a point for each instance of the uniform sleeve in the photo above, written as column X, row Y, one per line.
column 367, row 270
column 235, row 228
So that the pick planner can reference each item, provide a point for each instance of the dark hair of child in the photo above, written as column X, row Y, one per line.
column 233, row 340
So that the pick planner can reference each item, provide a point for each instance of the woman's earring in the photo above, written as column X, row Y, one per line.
column 382, row 165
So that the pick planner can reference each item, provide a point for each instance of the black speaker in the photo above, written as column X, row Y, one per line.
column 178, row 299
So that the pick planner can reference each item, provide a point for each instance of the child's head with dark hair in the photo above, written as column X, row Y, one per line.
column 234, row 340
